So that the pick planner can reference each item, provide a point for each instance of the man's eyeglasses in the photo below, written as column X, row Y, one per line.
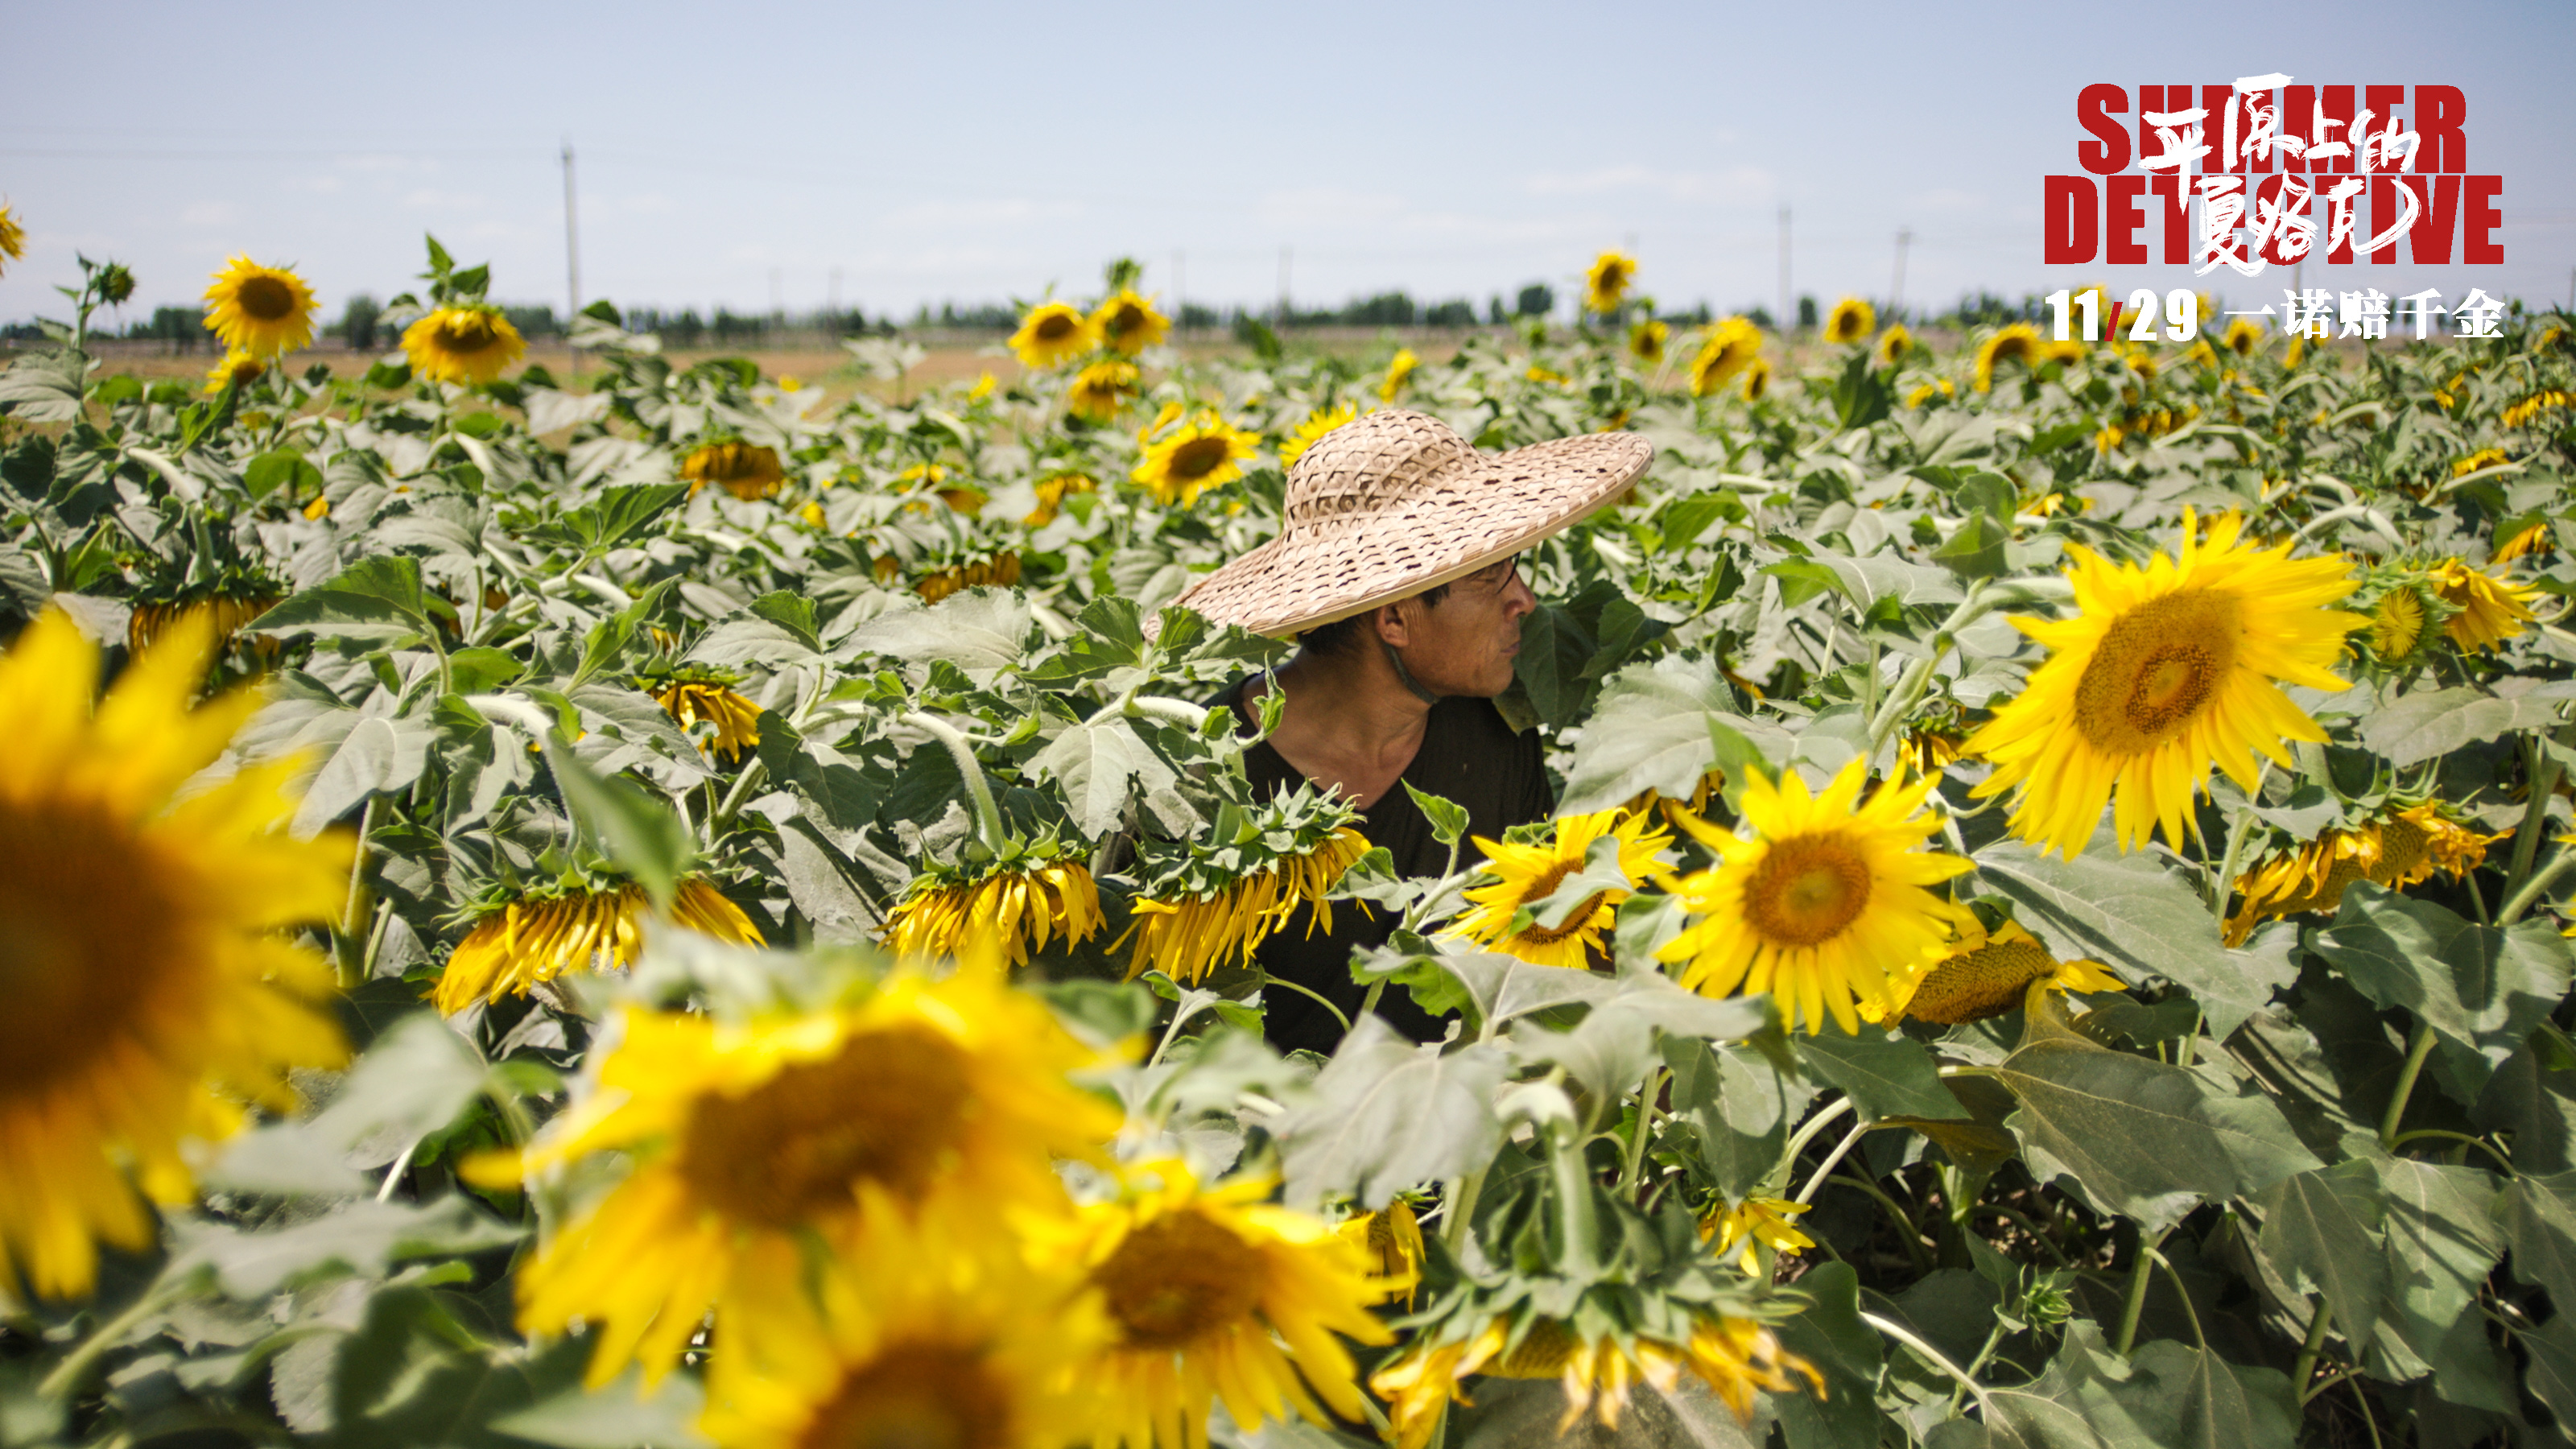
column 1495, row 576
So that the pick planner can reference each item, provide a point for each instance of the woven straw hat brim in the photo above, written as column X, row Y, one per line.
column 1441, row 526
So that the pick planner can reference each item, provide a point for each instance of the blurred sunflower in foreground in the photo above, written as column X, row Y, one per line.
column 2164, row 671
column 1523, row 875
column 471, row 343
column 1212, row 1293
column 151, row 987
column 921, row 1102
column 263, row 311
column 1823, row 903
column 237, row 370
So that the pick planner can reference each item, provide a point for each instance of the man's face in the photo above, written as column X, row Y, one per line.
column 1465, row 643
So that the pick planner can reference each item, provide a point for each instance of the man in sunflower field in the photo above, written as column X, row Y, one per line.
column 1397, row 571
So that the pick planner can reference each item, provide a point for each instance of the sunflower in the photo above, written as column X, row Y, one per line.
column 2536, row 538
column 2482, row 458
column 1023, row 909
column 2166, row 670
column 1727, row 349
column 1737, row 1358
column 879, row 1353
column 1824, row 904
column 1927, row 751
column 1129, row 323
column 539, row 937
column 1101, row 389
column 2242, row 337
column 1194, row 459
column 1757, row 379
column 469, row 344
column 151, row 986
column 1312, row 431
column 1648, row 339
column 748, row 471
column 264, row 311
column 983, row 388
column 1212, row 1293
column 227, row 612
column 2396, row 850
column 13, row 237
column 921, row 1103
column 2547, row 399
column 2491, row 610
column 1391, row 1238
column 1522, row 876
column 1851, row 321
column 1925, row 392
column 1053, row 333
column 693, row 702
column 2142, row 362
column 237, row 370
column 1756, row 1222
column 1606, row 285
column 1000, row 570
column 1051, row 495
column 1990, row 972
column 1895, row 345
column 1188, row 937
column 2397, row 625
column 2016, row 343
column 1398, row 369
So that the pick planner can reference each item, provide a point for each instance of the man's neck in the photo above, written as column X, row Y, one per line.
column 1349, row 722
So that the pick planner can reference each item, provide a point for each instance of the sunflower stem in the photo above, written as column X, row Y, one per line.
column 2306, row 1365
column 1934, row 1357
column 988, row 816
column 1574, row 1189
column 68, row 1375
column 2532, row 889
column 1778, row 1177
column 2418, row 1048
column 2135, row 1302
column 1833, row 1159
column 2542, row 771
column 2237, row 831
column 346, row 948
column 1645, row 1125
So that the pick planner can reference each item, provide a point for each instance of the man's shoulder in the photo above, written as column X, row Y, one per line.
column 1470, row 717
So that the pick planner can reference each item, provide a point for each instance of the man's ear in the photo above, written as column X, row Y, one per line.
column 1391, row 625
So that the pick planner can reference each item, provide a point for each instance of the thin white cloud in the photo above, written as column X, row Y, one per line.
column 1736, row 185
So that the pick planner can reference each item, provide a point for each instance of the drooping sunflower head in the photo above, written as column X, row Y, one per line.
column 1851, row 321
column 1052, row 491
column 703, row 697
column 1101, row 389
column 748, row 471
column 1312, row 431
column 922, row 1103
column 468, row 344
column 1754, row 1224
column 1606, row 285
column 2535, row 538
column 2165, row 671
column 1989, row 973
column 2018, row 342
column 1020, row 906
column 1391, row 1240
column 999, row 569
column 2528, row 410
column 522, row 941
column 1648, row 339
column 2398, row 848
column 1053, row 333
column 2242, row 337
column 1824, row 905
column 1728, row 349
column 1757, row 379
column 152, row 987
column 1210, row 1290
column 227, row 608
column 1129, row 323
column 1225, row 902
column 263, row 311
column 1193, row 459
column 1895, row 345
column 2490, row 610
column 901, row 1348
column 1504, row 914
column 1398, row 370
column 237, row 370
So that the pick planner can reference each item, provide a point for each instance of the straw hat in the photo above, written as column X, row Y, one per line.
column 1394, row 503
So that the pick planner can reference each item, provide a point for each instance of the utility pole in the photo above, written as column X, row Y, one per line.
column 572, row 253
column 1283, row 286
column 1896, row 294
column 1785, row 313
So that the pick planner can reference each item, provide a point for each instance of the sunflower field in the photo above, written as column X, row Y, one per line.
column 663, row 909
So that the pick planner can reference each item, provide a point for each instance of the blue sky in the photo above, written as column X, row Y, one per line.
column 729, row 155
